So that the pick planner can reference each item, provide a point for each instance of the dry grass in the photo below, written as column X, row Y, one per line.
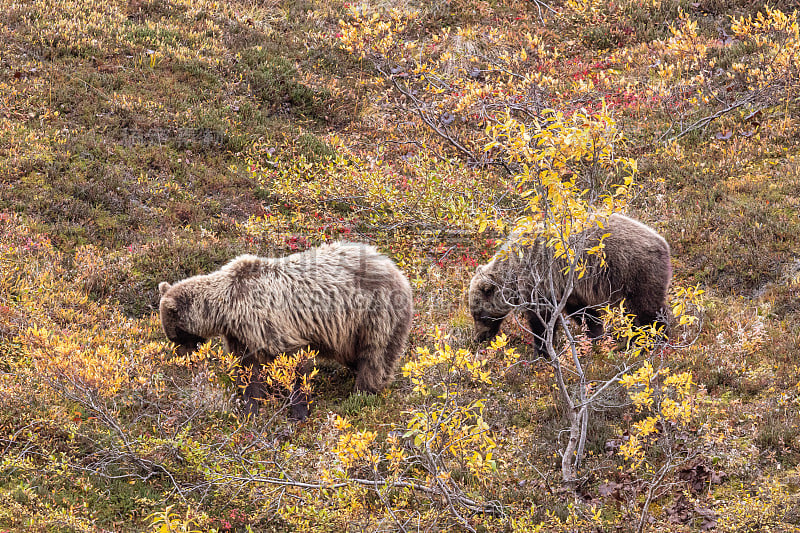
column 143, row 141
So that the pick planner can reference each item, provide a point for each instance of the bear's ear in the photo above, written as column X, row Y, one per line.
column 163, row 287
column 485, row 277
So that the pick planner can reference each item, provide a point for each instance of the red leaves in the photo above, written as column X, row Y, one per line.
column 296, row 242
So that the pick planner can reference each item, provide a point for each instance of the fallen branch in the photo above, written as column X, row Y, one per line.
column 490, row 508
column 705, row 121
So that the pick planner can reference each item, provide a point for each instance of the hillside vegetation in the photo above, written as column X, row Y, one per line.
column 150, row 140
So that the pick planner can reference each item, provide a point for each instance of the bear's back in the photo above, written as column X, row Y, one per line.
column 321, row 297
column 635, row 250
column 634, row 233
column 352, row 264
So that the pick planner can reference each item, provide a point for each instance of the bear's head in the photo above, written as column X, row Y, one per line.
column 487, row 303
column 176, row 314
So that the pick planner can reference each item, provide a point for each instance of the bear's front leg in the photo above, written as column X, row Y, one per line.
column 594, row 324
column 248, row 378
column 537, row 322
column 249, row 382
column 298, row 402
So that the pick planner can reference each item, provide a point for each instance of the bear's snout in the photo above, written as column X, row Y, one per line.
column 187, row 342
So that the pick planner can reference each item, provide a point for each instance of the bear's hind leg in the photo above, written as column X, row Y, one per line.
column 369, row 374
column 588, row 318
column 381, row 342
column 370, row 362
column 649, row 313
column 373, row 357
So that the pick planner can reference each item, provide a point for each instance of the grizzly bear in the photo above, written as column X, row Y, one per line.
column 344, row 300
column 525, row 276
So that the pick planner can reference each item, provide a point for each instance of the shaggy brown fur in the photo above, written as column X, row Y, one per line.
column 344, row 300
column 638, row 270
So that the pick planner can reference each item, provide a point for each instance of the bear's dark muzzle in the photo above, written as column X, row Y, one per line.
column 487, row 329
column 187, row 342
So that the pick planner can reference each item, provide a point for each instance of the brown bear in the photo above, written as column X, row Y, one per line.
column 526, row 277
column 344, row 300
